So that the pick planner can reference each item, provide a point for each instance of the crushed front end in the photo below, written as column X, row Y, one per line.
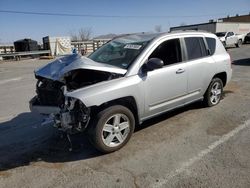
column 74, row 116
column 67, row 114
column 63, row 76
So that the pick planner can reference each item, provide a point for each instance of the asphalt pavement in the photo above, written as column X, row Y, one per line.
column 190, row 147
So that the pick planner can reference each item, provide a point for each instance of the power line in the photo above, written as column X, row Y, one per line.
column 108, row 16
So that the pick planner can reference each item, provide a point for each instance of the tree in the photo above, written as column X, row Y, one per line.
column 158, row 28
column 85, row 33
column 73, row 36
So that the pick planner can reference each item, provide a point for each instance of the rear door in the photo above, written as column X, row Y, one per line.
column 199, row 67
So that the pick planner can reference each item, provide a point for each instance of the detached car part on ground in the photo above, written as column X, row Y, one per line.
column 129, row 80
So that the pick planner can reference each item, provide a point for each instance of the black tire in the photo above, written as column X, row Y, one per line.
column 96, row 134
column 207, row 96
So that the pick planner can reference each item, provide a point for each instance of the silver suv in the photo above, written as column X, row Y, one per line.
column 129, row 80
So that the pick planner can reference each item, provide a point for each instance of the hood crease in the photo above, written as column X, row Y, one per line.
column 57, row 69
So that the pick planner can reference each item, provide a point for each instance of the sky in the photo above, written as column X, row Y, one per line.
column 108, row 16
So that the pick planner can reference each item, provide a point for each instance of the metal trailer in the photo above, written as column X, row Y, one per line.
column 214, row 27
column 57, row 45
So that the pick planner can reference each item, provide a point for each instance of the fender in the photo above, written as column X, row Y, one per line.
column 97, row 94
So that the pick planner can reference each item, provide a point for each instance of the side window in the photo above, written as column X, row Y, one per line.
column 195, row 47
column 169, row 52
column 230, row 34
column 211, row 42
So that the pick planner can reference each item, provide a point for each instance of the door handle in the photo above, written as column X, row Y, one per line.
column 179, row 71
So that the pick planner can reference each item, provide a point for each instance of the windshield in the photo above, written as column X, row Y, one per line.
column 121, row 52
column 220, row 34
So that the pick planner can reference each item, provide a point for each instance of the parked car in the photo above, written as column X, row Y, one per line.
column 247, row 38
column 129, row 80
column 229, row 39
column 241, row 38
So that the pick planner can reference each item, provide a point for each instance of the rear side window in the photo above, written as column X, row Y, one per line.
column 211, row 42
column 195, row 47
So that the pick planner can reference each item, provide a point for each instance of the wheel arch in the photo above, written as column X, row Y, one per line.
column 222, row 76
column 128, row 102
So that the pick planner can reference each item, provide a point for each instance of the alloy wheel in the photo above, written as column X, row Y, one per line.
column 215, row 93
column 115, row 130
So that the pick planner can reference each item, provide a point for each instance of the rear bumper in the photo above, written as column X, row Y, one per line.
column 41, row 109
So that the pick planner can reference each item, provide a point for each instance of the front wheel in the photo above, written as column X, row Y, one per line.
column 112, row 128
column 214, row 92
column 224, row 44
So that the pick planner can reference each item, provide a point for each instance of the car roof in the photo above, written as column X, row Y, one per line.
column 151, row 36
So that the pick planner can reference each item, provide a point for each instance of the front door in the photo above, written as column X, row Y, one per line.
column 231, row 39
column 165, row 88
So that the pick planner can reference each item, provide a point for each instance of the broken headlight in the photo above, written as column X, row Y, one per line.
column 74, row 115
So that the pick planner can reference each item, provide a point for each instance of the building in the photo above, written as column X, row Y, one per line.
column 237, row 24
column 237, row 18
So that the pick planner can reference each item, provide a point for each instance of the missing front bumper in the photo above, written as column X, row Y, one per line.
column 41, row 109
column 73, row 117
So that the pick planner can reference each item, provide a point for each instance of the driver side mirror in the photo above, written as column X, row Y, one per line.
column 152, row 64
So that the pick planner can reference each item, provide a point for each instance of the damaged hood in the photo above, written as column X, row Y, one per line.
column 58, row 68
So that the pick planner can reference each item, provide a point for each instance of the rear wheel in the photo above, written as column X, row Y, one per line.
column 214, row 92
column 112, row 128
column 239, row 43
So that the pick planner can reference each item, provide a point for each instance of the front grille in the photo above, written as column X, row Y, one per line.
column 49, row 92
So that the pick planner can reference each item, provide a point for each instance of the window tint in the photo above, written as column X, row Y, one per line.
column 211, row 42
column 169, row 51
column 195, row 47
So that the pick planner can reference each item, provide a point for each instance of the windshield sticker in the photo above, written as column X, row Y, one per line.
column 133, row 46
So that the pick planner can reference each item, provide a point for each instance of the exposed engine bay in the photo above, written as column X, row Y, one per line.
column 81, row 78
column 50, row 92
column 74, row 115
column 65, row 113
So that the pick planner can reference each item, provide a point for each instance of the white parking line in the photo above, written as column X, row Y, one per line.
column 10, row 80
column 184, row 166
